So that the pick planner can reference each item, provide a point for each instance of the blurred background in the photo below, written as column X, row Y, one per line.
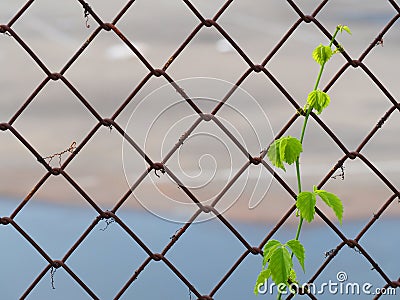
column 107, row 73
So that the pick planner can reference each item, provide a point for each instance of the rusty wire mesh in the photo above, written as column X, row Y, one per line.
column 74, row 149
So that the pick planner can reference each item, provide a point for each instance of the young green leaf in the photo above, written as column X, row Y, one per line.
column 286, row 149
column 298, row 250
column 306, row 205
column 318, row 100
column 280, row 265
column 345, row 28
column 333, row 202
column 268, row 249
column 290, row 149
column 274, row 155
column 262, row 279
column 322, row 54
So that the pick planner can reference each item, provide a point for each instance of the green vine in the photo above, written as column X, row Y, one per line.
column 277, row 259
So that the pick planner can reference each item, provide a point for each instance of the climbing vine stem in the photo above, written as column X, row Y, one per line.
column 303, row 130
column 278, row 257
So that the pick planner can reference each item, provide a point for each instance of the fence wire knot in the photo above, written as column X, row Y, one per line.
column 53, row 271
column 4, row 221
column 4, row 126
column 329, row 253
column 55, row 265
column 108, row 223
column 4, row 30
column 70, row 149
column 341, row 174
column 158, row 167
column 86, row 13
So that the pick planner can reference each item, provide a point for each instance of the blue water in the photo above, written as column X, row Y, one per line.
column 107, row 259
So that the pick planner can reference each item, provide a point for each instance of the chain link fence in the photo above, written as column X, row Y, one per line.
column 56, row 165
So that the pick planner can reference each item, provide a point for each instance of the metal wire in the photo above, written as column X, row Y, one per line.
column 112, row 216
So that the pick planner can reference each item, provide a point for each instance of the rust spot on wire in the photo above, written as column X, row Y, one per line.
column 170, row 60
column 379, row 42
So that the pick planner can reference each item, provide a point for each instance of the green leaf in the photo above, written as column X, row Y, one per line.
column 318, row 100
column 298, row 250
column 306, row 205
column 262, row 279
column 290, row 149
column 286, row 149
column 274, row 155
column 322, row 54
column 280, row 265
column 268, row 249
column 345, row 28
column 333, row 202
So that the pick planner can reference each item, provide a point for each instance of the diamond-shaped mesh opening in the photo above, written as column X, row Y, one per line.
column 257, row 30
column 211, row 247
column 70, row 121
column 27, row 171
column 107, row 145
column 64, row 287
column 60, row 29
column 113, row 64
column 84, row 84
column 47, row 193
column 373, row 242
column 347, row 279
column 208, row 44
column 168, row 285
column 20, row 75
column 18, row 251
column 149, row 37
column 89, row 266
